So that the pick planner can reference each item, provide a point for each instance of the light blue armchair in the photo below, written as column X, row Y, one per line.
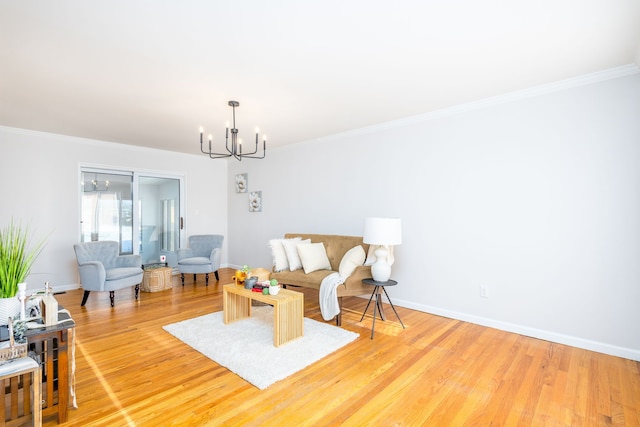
column 103, row 269
column 201, row 257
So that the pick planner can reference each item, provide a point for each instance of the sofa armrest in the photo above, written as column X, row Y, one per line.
column 353, row 286
column 361, row 272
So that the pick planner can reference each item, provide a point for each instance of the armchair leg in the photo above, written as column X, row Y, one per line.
column 84, row 298
column 216, row 274
column 112, row 297
column 339, row 316
column 182, row 278
column 206, row 279
column 137, row 290
column 194, row 278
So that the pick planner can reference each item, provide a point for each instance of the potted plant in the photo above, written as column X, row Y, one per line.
column 16, row 259
column 274, row 287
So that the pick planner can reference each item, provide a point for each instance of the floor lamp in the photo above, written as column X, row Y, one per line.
column 384, row 232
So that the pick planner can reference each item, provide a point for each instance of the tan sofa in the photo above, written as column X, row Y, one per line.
column 336, row 247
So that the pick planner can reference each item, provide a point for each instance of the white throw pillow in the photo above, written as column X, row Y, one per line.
column 292, row 252
column 353, row 258
column 313, row 257
column 280, row 261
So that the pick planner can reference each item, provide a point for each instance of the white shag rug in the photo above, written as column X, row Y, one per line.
column 240, row 345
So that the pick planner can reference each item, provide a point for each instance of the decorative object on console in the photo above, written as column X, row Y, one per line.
column 234, row 149
column 22, row 297
column 255, row 201
column 49, row 310
column 248, row 284
column 274, row 287
column 242, row 180
column 383, row 232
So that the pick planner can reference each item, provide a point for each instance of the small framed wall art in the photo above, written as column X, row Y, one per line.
column 242, row 182
column 255, row 201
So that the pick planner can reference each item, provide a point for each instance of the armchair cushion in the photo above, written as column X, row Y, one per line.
column 121, row 273
column 195, row 260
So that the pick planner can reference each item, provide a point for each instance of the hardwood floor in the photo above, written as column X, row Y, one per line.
column 436, row 372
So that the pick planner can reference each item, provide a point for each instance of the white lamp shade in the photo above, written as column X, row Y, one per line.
column 382, row 231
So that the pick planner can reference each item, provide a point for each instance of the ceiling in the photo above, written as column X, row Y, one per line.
column 151, row 72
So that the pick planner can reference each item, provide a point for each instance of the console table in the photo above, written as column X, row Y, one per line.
column 51, row 344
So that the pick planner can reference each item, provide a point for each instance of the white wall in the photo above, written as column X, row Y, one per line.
column 39, row 185
column 536, row 197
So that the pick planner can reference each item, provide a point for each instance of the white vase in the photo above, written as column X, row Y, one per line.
column 273, row 290
column 9, row 307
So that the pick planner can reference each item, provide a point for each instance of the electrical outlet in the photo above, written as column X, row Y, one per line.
column 484, row 291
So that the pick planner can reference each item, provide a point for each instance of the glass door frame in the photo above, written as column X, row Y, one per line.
column 86, row 167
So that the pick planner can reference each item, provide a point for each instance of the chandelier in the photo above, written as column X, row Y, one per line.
column 234, row 147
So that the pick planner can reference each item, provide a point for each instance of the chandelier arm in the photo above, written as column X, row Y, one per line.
column 218, row 156
column 253, row 152
column 213, row 154
column 264, row 152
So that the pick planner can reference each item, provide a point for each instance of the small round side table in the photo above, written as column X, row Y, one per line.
column 376, row 292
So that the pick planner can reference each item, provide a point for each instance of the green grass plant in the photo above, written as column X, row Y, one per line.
column 16, row 257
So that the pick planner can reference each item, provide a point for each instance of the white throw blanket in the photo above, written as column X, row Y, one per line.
column 329, row 306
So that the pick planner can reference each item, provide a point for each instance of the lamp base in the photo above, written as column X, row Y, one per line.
column 381, row 270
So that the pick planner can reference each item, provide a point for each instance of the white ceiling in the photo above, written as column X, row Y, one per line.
column 151, row 72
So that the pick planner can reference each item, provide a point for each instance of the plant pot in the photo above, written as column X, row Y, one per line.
column 273, row 290
column 9, row 307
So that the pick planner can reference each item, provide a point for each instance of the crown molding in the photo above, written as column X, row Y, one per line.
column 583, row 80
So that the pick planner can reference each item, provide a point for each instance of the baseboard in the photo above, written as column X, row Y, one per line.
column 600, row 347
column 64, row 288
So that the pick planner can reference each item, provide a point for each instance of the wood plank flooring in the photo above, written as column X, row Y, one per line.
column 436, row 372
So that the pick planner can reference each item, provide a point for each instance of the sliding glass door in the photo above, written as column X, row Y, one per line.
column 141, row 211
column 159, row 213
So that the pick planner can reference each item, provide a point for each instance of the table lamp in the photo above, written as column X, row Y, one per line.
column 384, row 232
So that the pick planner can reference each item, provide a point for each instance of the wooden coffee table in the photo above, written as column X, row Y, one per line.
column 288, row 310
